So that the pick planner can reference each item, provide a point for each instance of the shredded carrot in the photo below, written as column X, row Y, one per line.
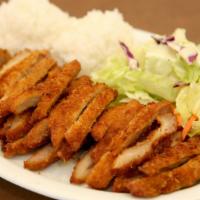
column 188, row 126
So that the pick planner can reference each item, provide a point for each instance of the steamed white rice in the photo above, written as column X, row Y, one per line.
column 38, row 24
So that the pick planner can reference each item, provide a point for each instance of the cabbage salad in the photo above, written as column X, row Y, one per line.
column 164, row 68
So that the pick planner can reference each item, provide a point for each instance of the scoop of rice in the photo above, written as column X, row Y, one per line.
column 38, row 24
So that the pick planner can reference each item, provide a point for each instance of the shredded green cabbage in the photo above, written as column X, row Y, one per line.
column 188, row 104
column 160, row 68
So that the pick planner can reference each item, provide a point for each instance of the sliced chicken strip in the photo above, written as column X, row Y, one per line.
column 26, row 100
column 68, row 111
column 120, row 182
column 114, row 119
column 76, row 134
column 37, row 72
column 42, row 158
column 83, row 80
column 122, row 116
column 4, row 57
column 120, row 185
column 65, row 152
column 37, row 136
column 47, row 92
column 16, row 126
column 184, row 176
column 19, row 68
column 13, row 70
column 54, row 88
column 102, row 169
column 145, row 117
column 32, row 96
column 133, row 156
column 81, row 169
column 172, row 157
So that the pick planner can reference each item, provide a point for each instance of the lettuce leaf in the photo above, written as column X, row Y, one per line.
column 135, row 84
column 188, row 103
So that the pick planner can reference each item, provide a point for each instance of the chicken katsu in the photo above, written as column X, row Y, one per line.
column 172, row 156
column 16, row 126
column 41, row 158
column 167, row 182
column 4, row 57
column 36, row 137
column 50, row 111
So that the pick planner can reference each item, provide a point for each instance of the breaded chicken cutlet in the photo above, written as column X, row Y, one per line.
column 36, row 137
column 172, row 157
column 21, row 73
column 16, row 126
column 4, row 57
column 184, row 176
column 115, row 145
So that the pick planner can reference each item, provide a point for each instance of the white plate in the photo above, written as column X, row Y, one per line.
column 54, row 181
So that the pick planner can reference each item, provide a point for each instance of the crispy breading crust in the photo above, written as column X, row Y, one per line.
column 37, row 72
column 128, row 136
column 68, row 110
column 166, row 182
column 76, row 134
column 133, row 156
column 81, row 81
column 37, row 136
column 55, row 86
column 65, row 152
column 41, row 158
column 120, row 184
column 101, row 174
column 15, row 69
column 4, row 57
column 122, row 116
column 81, row 169
column 114, row 119
column 17, row 126
column 172, row 157
column 26, row 100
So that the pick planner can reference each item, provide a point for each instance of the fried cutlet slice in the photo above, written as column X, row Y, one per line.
column 37, row 136
column 77, row 133
column 24, row 70
column 65, row 152
column 68, row 111
column 83, row 80
column 133, row 156
column 144, row 118
column 125, row 112
column 114, row 119
column 172, row 157
column 13, row 70
column 103, row 169
column 26, row 100
column 44, row 95
column 81, row 169
column 37, row 72
column 4, row 57
column 184, row 176
column 16, row 126
column 120, row 182
column 120, row 116
column 54, row 88
column 42, row 158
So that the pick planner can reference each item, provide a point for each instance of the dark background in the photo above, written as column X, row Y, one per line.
column 159, row 16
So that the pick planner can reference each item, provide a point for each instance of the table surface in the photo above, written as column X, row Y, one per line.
column 159, row 16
